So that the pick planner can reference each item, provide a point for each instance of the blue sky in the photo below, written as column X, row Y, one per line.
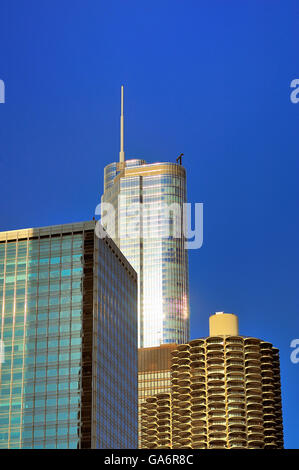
column 210, row 79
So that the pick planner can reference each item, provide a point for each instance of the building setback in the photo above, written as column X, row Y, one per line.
column 68, row 304
column 225, row 393
column 154, row 375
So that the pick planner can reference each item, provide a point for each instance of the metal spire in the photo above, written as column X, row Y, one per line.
column 122, row 153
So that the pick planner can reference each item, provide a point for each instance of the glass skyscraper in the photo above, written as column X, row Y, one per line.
column 68, row 375
column 155, row 250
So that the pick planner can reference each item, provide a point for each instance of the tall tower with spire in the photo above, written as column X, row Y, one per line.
column 135, row 188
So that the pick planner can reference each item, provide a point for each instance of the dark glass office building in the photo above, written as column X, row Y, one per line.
column 68, row 331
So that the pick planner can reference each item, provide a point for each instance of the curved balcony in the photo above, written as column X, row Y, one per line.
column 233, row 371
column 267, row 374
column 183, row 383
column 199, row 431
column 235, row 407
column 184, row 361
column 234, row 340
column 196, row 342
column 238, row 444
column 252, row 378
column 270, row 434
column 233, row 383
column 163, row 432
column 199, row 356
column 253, row 361
column 185, row 436
column 217, row 444
column 184, row 427
column 213, row 427
column 214, row 347
column 198, row 386
column 198, row 422
column 254, row 399
column 198, row 407
column 255, row 437
column 252, row 341
column 198, row 402
column 252, row 421
column 252, row 370
column 216, row 389
column 212, row 375
column 256, row 414
column 183, row 368
column 256, row 445
column 253, row 388
column 216, row 414
column 232, row 350
column 268, row 389
column 266, row 345
column 185, row 390
column 215, row 369
column 217, row 419
column 199, row 444
column 199, row 416
column 236, row 421
column 235, row 388
column 251, row 355
column 269, row 402
column 215, row 361
column 185, row 374
column 266, row 359
column 217, row 435
column 213, row 382
column 239, row 365
column 211, row 355
column 236, row 427
column 239, row 435
column 236, row 414
column 216, row 397
column 182, row 347
column 198, row 366
column 198, row 390
column 268, row 381
column 182, row 352
column 255, row 429
column 269, row 409
column 237, row 399
column 164, row 414
column 163, row 401
column 213, row 405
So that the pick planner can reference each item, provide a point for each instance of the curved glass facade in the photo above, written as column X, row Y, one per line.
column 140, row 191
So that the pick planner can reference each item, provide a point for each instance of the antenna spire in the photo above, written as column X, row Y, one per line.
column 122, row 153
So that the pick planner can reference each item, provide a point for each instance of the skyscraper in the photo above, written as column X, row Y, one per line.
column 68, row 304
column 225, row 393
column 145, row 231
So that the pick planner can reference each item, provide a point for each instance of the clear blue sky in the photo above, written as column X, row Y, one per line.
column 210, row 79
